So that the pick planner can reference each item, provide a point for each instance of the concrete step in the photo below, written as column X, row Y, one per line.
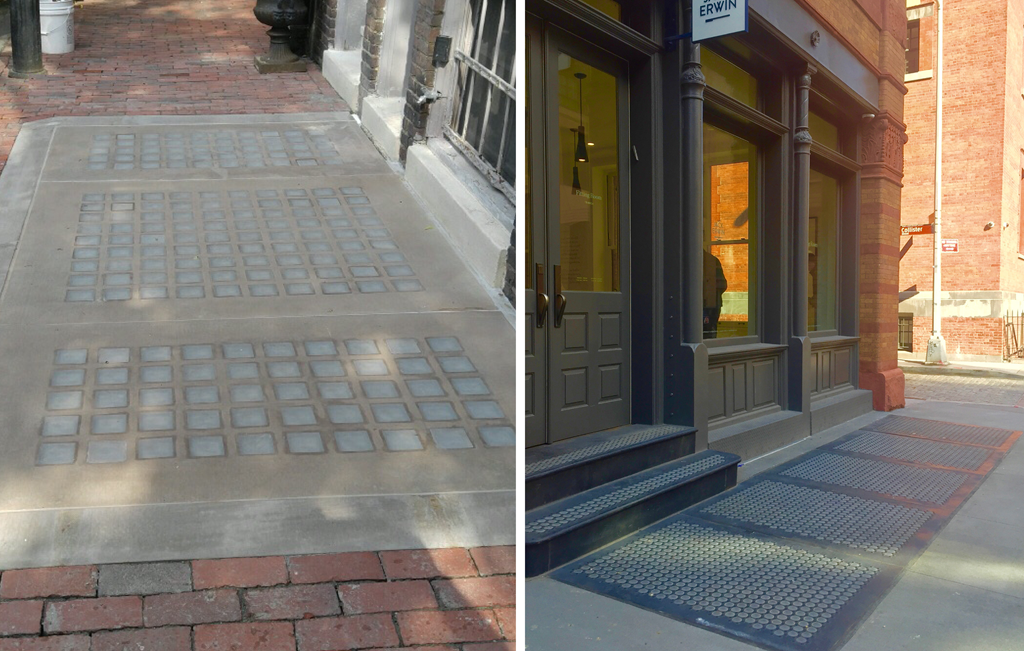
column 563, row 469
column 572, row 527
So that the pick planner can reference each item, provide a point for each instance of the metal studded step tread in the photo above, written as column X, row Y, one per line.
column 627, row 437
column 952, row 432
column 569, row 528
column 554, row 472
column 559, row 517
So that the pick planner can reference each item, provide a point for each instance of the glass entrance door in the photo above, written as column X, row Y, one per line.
column 577, row 238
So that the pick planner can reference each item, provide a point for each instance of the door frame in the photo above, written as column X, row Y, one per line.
column 559, row 41
column 646, row 157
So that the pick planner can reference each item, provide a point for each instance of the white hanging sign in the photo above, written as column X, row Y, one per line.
column 713, row 18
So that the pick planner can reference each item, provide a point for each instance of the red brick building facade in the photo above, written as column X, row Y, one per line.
column 983, row 166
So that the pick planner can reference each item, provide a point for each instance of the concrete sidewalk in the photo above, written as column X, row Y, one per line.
column 1013, row 369
column 236, row 336
column 963, row 592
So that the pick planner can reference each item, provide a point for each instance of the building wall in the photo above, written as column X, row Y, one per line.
column 323, row 25
column 983, row 136
column 429, row 14
column 1012, row 267
column 973, row 157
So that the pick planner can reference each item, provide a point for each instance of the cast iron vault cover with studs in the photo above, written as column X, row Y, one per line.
column 748, row 586
column 797, row 557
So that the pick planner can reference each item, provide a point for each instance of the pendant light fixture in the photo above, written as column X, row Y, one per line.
column 581, row 140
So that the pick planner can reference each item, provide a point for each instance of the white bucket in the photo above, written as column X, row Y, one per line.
column 57, row 22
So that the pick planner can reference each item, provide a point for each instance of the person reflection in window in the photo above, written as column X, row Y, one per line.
column 714, row 287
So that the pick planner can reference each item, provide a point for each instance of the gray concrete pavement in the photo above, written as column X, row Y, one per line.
column 239, row 335
column 963, row 592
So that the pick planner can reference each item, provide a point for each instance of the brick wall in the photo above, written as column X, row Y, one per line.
column 372, row 37
column 980, row 147
column 429, row 14
column 1011, row 272
column 510, row 271
column 323, row 26
column 964, row 336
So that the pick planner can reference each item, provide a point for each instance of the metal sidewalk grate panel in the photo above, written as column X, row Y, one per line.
column 916, row 450
column 989, row 436
column 897, row 480
column 566, row 514
column 599, row 449
column 745, row 586
column 819, row 515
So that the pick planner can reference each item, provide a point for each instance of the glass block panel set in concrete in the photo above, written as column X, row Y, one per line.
column 239, row 308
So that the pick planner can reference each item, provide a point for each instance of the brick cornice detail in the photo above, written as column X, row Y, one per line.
column 881, row 148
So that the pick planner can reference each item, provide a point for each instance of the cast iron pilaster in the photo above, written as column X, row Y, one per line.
column 801, row 372
column 686, row 403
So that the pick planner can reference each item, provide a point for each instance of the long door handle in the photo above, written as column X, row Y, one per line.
column 542, row 299
column 560, row 299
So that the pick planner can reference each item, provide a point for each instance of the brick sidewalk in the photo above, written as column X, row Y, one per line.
column 431, row 600
column 960, row 388
column 178, row 57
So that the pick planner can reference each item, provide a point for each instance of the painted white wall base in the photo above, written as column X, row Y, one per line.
column 476, row 228
column 382, row 119
column 342, row 70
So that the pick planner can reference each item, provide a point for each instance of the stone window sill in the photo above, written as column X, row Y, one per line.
column 917, row 76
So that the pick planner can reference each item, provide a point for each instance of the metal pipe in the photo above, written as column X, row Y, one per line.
column 26, row 39
column 936, row 352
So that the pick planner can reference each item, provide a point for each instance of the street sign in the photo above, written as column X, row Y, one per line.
column 713, row 18
column 950, row 246
column 923, row 229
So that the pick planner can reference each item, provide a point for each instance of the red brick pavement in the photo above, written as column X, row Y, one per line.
column 159, row 57
column 63, row 608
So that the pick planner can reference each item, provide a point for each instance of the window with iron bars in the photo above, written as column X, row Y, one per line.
column 484, row 124
column 906, row 332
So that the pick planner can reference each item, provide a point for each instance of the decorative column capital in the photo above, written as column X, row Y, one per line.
column 881, row 147
column 802, row 139
column 803, row 82
column 692, row 80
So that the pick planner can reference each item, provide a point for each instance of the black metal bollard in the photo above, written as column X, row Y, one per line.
column 26, row 40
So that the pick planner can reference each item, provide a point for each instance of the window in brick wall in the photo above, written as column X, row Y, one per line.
column 913, row 46
column 483, row 125
column 906, row 332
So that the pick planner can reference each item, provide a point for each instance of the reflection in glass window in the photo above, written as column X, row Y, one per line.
column 823, row 131
column 730, row 234
column 588, row 170
column 727, row 77
column 821, row 261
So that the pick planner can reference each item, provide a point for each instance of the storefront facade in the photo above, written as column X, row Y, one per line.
column 711, row 228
